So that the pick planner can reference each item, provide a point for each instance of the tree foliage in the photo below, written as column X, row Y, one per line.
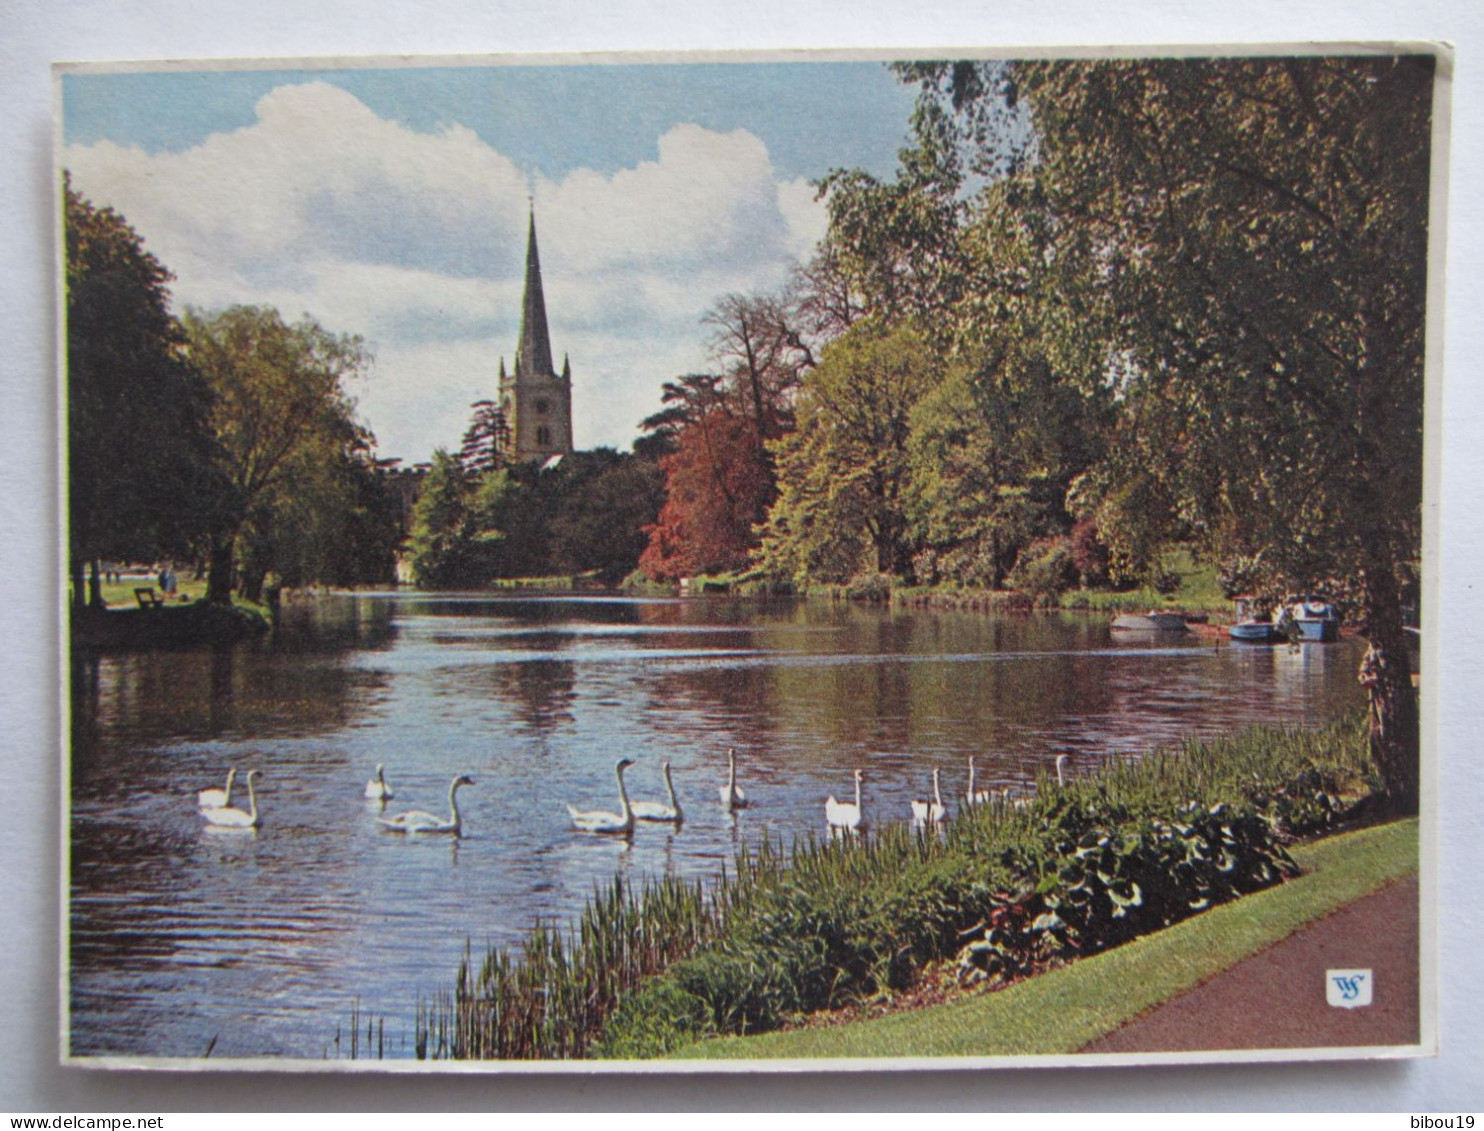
column 719, row 473
column 588, row 515
column 1255, row 232
column 486, row 440
column 718, row 481
column 843, row 473
column 140, row 455
column 291, row 448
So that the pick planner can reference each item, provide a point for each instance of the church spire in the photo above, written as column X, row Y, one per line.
column 533, row 355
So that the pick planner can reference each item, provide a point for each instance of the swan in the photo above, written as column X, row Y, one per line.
column 731, row 796
column 237, row 818
column 376, row 788
column 842, row 815
column 934, row 811
column 421, row 821
column 657, row 811
column 217, row 798
column 598, row 821
column 973, row 796
column 1061, row 760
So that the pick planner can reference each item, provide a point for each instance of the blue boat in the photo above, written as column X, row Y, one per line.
column 1316, row 617
column 1252, row 626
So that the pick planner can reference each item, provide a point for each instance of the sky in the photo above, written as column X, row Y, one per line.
column 391, row 203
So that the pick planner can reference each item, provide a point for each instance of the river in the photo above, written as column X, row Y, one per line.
column 263, row 943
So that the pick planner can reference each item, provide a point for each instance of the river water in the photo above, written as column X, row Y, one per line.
column 263, row 943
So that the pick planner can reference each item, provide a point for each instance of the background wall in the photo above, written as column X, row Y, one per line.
column 33, row 33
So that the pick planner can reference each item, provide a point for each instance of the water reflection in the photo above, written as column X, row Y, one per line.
column 262, row 943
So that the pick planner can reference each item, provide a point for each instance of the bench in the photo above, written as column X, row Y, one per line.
column 149, row 599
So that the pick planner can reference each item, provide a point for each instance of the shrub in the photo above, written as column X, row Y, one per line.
column 1044, row 569
column 873, row 587
column 1089, row 556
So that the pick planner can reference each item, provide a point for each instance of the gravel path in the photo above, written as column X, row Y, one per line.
column 1277, row 998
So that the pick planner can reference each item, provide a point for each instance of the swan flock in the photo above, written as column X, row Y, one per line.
column 840, row 816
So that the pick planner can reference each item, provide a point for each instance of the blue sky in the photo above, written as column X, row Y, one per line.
column 550, row 119
column 390, row 202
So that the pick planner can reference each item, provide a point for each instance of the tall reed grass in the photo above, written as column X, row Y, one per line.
column 832, row 920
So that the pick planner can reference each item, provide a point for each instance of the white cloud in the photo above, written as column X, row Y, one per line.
column 416, row 241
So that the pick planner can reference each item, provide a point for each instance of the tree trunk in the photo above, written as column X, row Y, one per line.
column 252, row 585
column 219, row 577
column 79, row 587
column 1385, row 673
column 95, row 585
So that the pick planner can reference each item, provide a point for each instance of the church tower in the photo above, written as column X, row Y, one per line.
column 537, row 402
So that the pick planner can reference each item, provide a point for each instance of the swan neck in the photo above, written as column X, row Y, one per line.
column 971, row 779
column 857, row 793
column 453, row 802
column 937, row 793
column 252, row 799
column 623, row 794
column 670, row 788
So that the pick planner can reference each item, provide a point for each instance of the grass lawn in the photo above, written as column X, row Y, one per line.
column 1200, row 591
column 120, row 595
column 1063, row 1010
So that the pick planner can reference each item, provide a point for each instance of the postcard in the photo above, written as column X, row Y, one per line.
column 728, row 561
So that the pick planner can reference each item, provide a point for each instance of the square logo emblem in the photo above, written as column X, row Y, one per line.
column 1348, row 989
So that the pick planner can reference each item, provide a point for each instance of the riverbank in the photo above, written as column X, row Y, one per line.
column 164, row 626
column 1246, row 975
column 1189, row 587
column 1006, row 893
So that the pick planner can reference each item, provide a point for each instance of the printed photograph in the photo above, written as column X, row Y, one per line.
column 719, row 562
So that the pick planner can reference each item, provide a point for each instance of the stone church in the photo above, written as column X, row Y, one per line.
column 535, row 400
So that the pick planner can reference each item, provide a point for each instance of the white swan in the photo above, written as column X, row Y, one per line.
column 973, row 796
column 656, row 810
column 599, row 821
column 217, row 798
column 421, row 821
column 376, row 788
column 934, row 811
column 842, row 815
column 237, row 818
column 731, row 796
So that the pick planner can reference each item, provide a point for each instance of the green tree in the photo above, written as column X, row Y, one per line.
column 843, row 473
column 1255, row 233
column 140, row 478
column 607, row 504
column 285, row 428
column 445, row 551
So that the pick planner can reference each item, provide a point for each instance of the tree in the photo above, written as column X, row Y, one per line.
column 719, row 472
column 843, row 473
column 455, row 543
column 762, row 356
column 486, row 440
column 140, row 481
column 1255, row 232
column 284, row 425
column 606, row 504
column 718, row 487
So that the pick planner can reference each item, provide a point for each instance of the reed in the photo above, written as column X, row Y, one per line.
column 829, row 921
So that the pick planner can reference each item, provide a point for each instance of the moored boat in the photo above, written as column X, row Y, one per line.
column 1251, row 625
column 1316, row 617
column 1152, row 621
